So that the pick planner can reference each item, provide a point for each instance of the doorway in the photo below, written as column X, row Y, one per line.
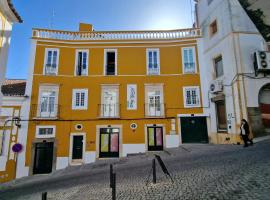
column 43, row 158
column 109, row 142
column 155, row 138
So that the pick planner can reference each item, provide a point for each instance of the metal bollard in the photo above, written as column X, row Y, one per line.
column 111, row 175
column 154, row 171
column 113, row 186
column 44, row 196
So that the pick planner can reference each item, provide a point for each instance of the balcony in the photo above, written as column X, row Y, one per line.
column 109, row 110
column 50, row 69
column 116, row 35
column 189, row 67
column 154, row 110
column 45, row 111
column 153, row 70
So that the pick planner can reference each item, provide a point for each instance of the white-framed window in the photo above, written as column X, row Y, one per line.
column 81, row 62
column 51, row 60
column 153, row 61
column 110, row 62
column 45, row 131
column 192, row 96
column 109, row 106
column 79, row 99
column 154, row 103
column 132, row 97
column 48, row 101
column 189, row 60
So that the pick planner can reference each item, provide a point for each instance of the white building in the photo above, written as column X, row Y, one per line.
column 8, row 16
column 232, row 91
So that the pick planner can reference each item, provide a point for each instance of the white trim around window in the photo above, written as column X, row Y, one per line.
column 79, row 99
column 46, row 58
column 46, row 128
column 194, row 57
column 105, row 61
column 194, row 101
column 76, row 61
column 153, row 71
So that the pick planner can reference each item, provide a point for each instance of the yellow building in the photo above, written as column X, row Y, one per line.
column 13, row 91
column 96, row 95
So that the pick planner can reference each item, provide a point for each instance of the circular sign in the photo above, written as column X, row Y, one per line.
column 133, row 126
column 17, row 148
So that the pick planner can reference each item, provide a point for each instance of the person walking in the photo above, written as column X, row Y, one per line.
column 244, row 128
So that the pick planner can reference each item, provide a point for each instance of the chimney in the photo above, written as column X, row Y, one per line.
column 85, row 27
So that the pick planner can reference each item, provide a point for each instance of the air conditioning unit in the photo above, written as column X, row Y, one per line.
column 216, row 86
column 262, row 61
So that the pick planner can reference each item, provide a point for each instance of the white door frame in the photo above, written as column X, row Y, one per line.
column 79, row 161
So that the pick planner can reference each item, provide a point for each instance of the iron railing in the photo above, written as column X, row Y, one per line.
column 109, row 110
column 154, row 109
column 50, row 69
column 45, row 111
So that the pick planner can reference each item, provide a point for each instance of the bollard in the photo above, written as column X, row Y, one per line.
column 111, row 175
column 113, row 186
column 44, row 196
column 154, row 171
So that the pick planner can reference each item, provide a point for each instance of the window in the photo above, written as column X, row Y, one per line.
column 153, row 67
column 51, row 61
column 218, row 66
column 47, row 106
column 131, row 96
column 189, row 57
column 154, row 105
column 191, row 96
column 80, row 99
column 45, row 131
column 221, row 115
column 213, row 28
column 110, row 62
column 109, row 101
column 81, row 63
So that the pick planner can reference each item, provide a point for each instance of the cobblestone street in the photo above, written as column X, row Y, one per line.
column 199, row 172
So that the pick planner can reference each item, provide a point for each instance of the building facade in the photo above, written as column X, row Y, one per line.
column 13, row 97
column 233, row 88
column 8, row 16
column 97, row 95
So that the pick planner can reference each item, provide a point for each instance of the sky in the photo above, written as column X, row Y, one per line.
column 103, row 14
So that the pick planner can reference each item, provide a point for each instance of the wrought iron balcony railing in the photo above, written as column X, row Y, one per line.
column 117, row 35
column 109, row 110
column 45, row 111
column 154, row 109
column 50, row 69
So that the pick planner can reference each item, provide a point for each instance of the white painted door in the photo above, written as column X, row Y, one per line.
column 154, row 103
column 110, row 106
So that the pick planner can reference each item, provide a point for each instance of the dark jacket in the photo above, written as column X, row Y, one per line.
column 246, row 127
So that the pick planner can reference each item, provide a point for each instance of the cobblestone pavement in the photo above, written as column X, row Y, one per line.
column 199, row 172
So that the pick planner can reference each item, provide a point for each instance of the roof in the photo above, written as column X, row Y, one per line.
column 13, row 87
column 12, row 8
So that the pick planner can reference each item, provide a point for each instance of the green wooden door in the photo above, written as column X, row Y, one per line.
column 194, row 130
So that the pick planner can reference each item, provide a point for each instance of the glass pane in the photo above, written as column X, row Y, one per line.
column 54, row 58
column 44, row 104
column 150, row 61
column 51, row 104
column 151, row 137
column 114, row 142
column 49, row 59
column 104, row 143
column 159, row 136
column 155, row 59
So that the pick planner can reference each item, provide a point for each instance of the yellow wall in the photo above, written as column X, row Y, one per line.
column 131, row 69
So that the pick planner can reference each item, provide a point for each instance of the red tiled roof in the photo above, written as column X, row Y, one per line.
column 13, row 87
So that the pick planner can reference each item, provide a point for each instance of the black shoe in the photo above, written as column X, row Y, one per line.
column 245, row 145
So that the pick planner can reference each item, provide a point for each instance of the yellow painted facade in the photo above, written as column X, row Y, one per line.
column 131, row 68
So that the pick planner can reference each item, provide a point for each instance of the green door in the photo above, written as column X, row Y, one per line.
column 194, row 130
column 77, row 149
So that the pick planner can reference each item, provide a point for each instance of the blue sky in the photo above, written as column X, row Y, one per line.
column 103, row 14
